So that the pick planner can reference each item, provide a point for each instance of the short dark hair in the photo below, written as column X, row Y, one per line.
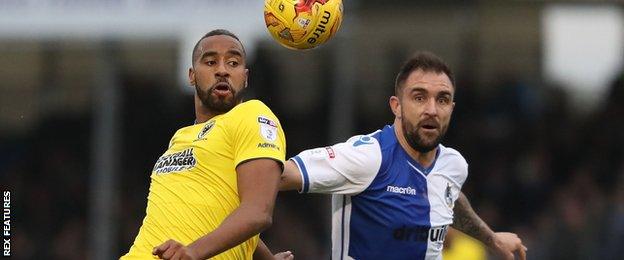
column 215, row 32
column 425, row 61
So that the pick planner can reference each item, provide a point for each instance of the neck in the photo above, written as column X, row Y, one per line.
column 424, row 159
column 202, row 113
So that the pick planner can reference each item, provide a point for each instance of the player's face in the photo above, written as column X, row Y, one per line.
column 426, row 104
column 220, row 74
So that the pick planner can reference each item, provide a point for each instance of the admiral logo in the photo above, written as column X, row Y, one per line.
column 268, row 145
column 401, row 190
column 420, row 233
column 174, row 162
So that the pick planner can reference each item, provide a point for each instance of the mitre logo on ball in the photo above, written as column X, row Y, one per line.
column 302, row 24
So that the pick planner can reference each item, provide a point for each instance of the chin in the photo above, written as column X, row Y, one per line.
column 426, row 149
column 427, row 145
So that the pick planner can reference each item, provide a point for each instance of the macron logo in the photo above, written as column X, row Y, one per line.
column 401, row 190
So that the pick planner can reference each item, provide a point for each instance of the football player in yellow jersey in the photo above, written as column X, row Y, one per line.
column 213, row 190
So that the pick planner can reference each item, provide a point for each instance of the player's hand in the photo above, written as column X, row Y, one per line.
column 507, row 244
column 174, row 250
column 284, row 256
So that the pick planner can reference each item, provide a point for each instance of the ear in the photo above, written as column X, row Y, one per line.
column 191, row 75
column 395, row 105
column 246, row 77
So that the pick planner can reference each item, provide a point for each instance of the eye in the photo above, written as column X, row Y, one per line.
column 233, row 63
column 210, row 62
column 419, row 98
column 444, row 100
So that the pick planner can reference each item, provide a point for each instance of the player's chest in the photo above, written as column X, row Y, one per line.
column 210, row 137
column 407, row 187
column 204, row 144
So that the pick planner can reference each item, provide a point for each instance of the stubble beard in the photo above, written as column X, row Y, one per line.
column 416, row 141
column 219, row 104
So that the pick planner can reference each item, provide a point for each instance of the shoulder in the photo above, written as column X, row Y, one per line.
column 452, row 154
column 453, row 162
column 364, row 144
column 358, row 140
column 362, row 152
column 452, row 159
column 253, row 111
column 358, row 154
column 343, row 168
column 250, row 106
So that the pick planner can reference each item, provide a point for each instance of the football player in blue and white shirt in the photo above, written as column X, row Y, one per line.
column 396, row 191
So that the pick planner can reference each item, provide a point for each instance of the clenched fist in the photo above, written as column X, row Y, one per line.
column 174, row 250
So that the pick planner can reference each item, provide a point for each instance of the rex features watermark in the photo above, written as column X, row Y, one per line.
column 6, row 223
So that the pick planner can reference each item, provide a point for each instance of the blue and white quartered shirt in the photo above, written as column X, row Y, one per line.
column 385, row 205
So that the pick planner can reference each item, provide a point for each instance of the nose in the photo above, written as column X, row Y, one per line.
column 431, row 108
column 222, row 70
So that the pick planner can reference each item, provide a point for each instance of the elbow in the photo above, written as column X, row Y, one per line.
column 284, row 182
column 266, row 221
column 288, row 183
column 262, row 222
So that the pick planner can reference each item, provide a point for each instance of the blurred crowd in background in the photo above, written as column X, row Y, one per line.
column 536, row 168
column 538, row 165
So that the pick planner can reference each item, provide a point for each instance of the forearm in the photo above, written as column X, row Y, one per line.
column 242, row 224
column 466, row 220
column 262, row 252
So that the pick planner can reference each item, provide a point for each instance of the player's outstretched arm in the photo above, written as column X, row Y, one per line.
column 502, row 243
column 291, row 177
column 257, row 186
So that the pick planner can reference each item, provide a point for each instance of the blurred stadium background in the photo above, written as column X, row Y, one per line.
column 93, row 90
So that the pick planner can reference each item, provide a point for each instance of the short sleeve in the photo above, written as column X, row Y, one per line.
column 344, row 168
column 257, row 134
column 457, row 168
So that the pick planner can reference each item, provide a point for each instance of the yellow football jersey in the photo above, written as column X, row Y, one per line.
column 193, row 184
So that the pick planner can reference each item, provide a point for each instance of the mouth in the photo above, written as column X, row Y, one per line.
column 222, row 89
column 429, row 126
